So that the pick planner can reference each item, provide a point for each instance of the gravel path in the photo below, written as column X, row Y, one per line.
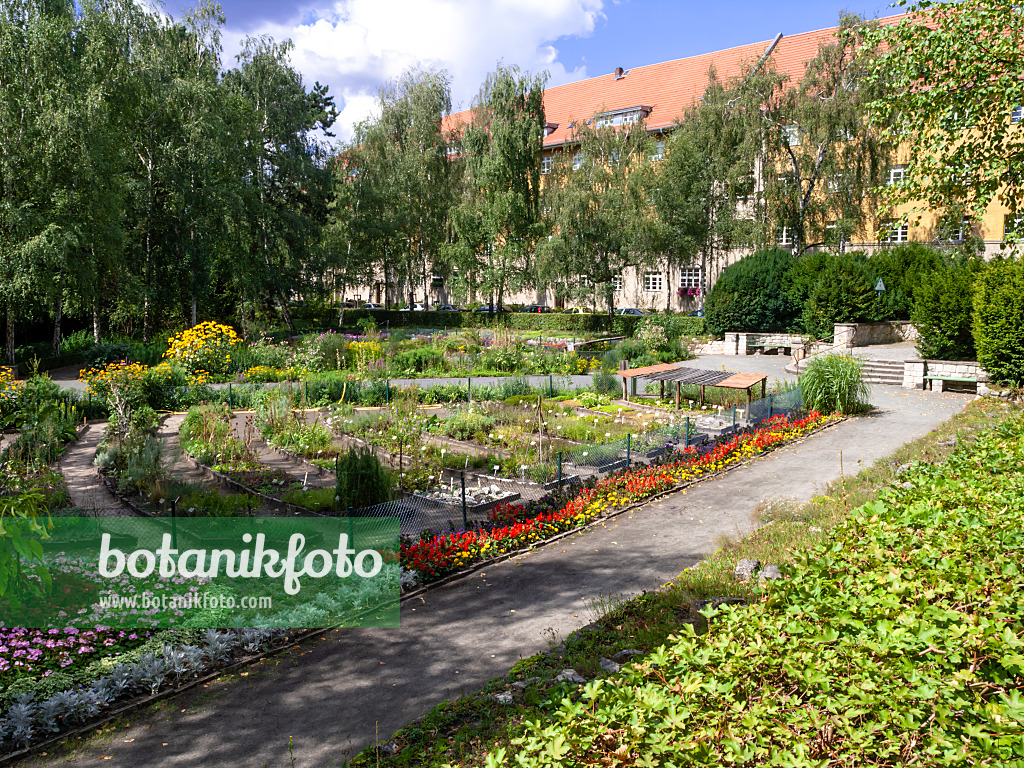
column 333, row 696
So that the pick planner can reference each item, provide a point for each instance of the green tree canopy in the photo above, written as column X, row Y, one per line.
column 951, row 72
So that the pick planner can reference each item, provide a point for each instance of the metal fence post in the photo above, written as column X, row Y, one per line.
column 465, row 522
column 551, row 385
column 174, row 523
column 469, row 389
column 559, row 470
column 629, row 446
column 387, row 391
column 769, row 406
column 230, row 402
column 734, row 418
column 305, row 394
column 687, row 431
column 90, row 406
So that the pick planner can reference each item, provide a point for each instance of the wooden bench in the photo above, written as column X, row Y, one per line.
column 930, row 381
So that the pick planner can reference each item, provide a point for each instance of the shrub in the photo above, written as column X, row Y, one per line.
column 999, row 321
column 466, row 423
column 751, row 295
column 903, row 268
column 205, row 347
column 943, row 304
column 362, row 480
column 835, row 383
column 832, row 288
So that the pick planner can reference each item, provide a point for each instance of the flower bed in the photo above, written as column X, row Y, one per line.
column 526, row 525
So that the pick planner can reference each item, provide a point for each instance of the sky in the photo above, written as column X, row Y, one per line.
column 356, row 46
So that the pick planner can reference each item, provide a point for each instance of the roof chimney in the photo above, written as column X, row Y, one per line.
column 619, row 73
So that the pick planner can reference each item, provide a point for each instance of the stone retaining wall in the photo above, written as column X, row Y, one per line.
column 864, row 334
column 750, row 343
column 914, row 372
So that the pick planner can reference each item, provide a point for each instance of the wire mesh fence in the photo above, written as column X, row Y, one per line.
column 436, row 499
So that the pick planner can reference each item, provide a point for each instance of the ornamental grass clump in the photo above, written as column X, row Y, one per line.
column 833, row 383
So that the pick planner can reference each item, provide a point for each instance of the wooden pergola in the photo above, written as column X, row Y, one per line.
column 682, row 374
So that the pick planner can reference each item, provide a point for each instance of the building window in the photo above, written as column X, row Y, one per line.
column 617, row 282
column 791, row 135
column 893, row 232
column 784, row 236
column 618, row 118
column 1017, row 114
column 833, row 235
column 452, row 149
column 546, row 210
column 613, row 158
column 577, row 161
column 546, row 163
column 896, row 174
column 653, row 282
column 659, row 151
column 1012, row 225
column 957, row 233
column 690, row 277
column 584, row 281
column 835, row 183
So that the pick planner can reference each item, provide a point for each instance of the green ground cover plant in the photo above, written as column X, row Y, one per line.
column 476, row 729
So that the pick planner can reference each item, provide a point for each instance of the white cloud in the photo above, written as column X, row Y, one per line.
column 355, row 46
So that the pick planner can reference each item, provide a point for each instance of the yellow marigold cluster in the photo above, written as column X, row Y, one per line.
column 101, row 379
column 10, row 387
column 203, row 348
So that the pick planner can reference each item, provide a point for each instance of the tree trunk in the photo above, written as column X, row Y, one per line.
column 97, row 321
column 194, row 321
column 58, row 315
column 9, row 337
column 287, row 315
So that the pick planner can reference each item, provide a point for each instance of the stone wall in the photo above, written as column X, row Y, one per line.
column 751, row 343
column 851, row 335
column 914, row 372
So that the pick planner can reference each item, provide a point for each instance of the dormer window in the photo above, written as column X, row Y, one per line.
column 550, row 128
column 626, row 116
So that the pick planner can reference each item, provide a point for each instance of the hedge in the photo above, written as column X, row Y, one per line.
column 619, row 325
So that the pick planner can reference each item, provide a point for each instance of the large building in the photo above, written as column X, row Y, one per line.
column 660, row 94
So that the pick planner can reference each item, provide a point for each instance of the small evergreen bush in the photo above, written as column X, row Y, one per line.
column 903, row 269
column 362, row 481
column 751, row 295
column 941, row 313
column 832, row 288
column 999, row 321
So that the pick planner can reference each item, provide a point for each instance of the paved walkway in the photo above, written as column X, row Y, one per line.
column 332, row 696
column 85, row 486
column 178, row 466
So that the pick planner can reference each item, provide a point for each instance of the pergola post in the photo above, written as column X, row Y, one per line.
column 762, row 387
column 662, row 396
column 702, row 394
column 678, row 387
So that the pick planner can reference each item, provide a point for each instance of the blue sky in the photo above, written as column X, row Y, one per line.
column 357, row 45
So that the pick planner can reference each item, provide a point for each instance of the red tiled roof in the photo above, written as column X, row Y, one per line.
column 669, row 88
